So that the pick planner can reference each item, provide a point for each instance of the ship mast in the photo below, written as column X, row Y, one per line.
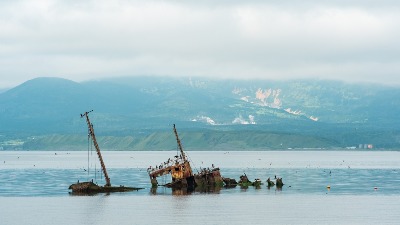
column 91, row 133
column 179, row 144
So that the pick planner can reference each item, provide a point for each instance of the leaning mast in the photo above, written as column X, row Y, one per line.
column 91, row 133
column 179, row 144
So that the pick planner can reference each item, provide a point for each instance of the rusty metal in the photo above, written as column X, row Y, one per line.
column 178, row 141
column 84, row 188
column 93, row 136
column 179, row 167
column 88, row 188
column 182, row 174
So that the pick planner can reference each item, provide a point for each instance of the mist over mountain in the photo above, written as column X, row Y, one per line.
column 3, row 90
column 137, row 113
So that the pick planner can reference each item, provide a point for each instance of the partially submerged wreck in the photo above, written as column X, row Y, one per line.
column 279, row 182
column 229, row 182
column 209, row 177
column 182, row 174
column 90, row 187
column 245, row 182
column 179, row 168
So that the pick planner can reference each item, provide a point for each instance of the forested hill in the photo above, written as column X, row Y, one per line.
column 137, row 113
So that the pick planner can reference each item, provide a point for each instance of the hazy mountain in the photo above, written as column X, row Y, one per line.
column 265, row 114
column 3, row 90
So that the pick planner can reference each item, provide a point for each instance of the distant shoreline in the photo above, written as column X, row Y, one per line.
column 213, row 150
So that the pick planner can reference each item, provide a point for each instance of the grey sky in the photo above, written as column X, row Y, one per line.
column 81, row 40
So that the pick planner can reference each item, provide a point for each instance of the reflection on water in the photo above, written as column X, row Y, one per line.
column 182, row 191
column 55, row 182
column 342, row 181
column 363, row 190
column 186, row 191
column 205, row 190
column 374, row 179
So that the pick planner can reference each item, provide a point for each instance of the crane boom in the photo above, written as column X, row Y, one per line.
column 91, row 133
column 179, row 144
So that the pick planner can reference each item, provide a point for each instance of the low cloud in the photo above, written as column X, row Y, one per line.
column 241, row 120
column 356, row 41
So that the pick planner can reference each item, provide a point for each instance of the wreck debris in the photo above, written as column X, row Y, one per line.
column 270, row 183
column 245, row 182
column 90, row 187
column 209, row 177
column 179, row 168
column 184, row 181
column 279, row 183
column 229, row 182
column 257, row 182
column 182, row 174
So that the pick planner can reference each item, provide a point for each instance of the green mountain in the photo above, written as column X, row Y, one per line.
column 137, row 113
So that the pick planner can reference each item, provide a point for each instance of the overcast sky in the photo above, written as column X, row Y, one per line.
column 356, row 40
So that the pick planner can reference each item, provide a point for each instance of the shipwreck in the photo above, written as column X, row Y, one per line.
column 90, row 187
column 182, row 174
column 245, row 182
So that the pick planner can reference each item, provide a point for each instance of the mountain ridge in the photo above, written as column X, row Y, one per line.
column 129, row 106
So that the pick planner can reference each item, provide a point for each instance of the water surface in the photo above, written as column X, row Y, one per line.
column 363, row 189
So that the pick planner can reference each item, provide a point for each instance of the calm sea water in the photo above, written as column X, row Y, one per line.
column 364, row 189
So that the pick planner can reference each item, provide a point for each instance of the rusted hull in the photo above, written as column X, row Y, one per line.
column 188, row 183
column 279, row 183
column 270, row 183
column 229, row 182
column 181, row 173
column 245, row 182
column 209, row 178
column 205, row 178
column 92, row 188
